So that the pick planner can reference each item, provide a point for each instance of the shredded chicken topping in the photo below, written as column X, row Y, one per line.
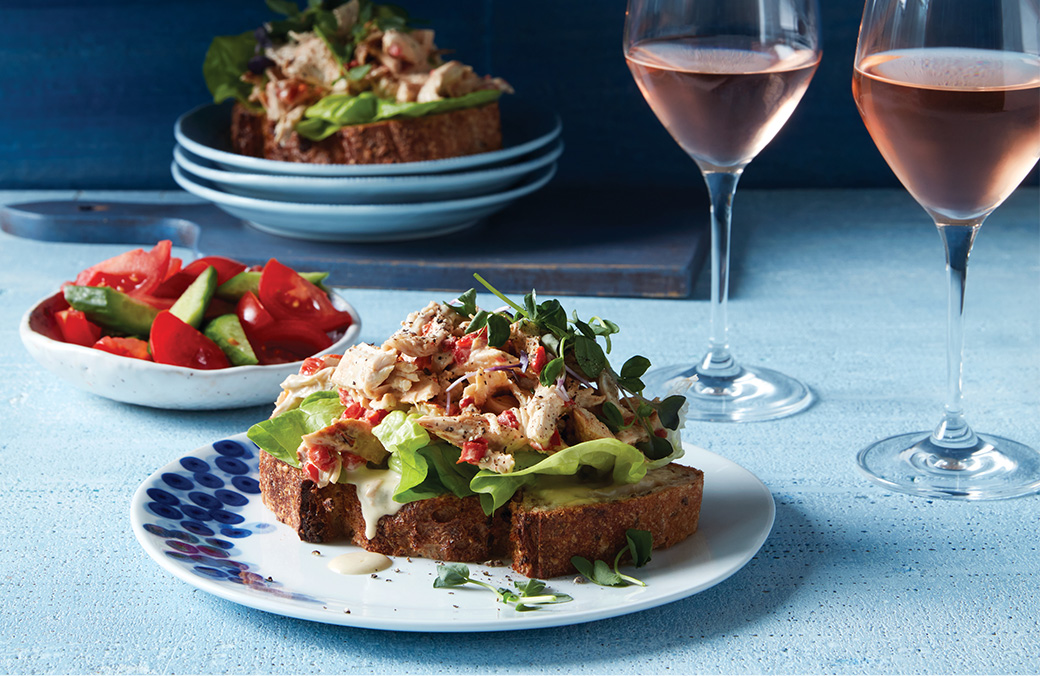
column 486, row 400
column 396, row 65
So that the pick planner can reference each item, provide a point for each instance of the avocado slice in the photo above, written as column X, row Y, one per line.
column 249, row 280
column 226, row 331
column 112, row 309
column 191, row 306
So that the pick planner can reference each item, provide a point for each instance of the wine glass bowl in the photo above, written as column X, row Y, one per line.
column 950, row 92
column 723, row 77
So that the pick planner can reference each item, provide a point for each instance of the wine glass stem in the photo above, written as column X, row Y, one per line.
column 953, row 431
column 722, row 186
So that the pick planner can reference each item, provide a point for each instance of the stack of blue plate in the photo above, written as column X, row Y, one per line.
column 365, row 202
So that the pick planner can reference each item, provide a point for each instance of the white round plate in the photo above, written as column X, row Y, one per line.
column 369, row 189
column 202, row 519
column 146, row 383
column 361, row 222
column 206, row 132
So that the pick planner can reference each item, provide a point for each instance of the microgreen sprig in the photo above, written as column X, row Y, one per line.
column 562, row 336
column 640, row 544
column 530, row 595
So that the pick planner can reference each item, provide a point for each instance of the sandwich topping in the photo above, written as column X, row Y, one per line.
column 341, row 63
column 472, row 402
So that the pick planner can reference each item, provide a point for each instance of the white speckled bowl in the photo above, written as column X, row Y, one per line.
column 145, row 383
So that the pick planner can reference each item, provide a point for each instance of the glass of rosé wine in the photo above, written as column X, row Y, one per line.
column 950, row 92
column 723, row 77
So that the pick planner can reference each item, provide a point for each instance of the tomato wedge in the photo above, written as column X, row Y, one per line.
column 174, row 285
column 76, row 328
column 287, row 340
column 175, row 342
column 175, row 266
column 287, row 295
column 251, row 313
column 134, row 272
column 124, row 347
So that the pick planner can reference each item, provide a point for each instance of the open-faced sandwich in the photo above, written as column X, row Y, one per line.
column 350, row 83
column 472, row 436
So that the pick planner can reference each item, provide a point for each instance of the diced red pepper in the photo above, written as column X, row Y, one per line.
column 508, row 419
column 375, row 416
column 662, row 432
column 76, row 328
column 554, row 441
column 466, row 401
column 473, row 451
column 312, row 472
column 538, row 360
column 352, row 461
column 322, row 457
column 311, row 365
column 354, row 411
column 461, row 349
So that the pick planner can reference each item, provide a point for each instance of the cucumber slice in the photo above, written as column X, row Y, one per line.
column 192, row 304
column 226, row 331
column 112, row 309
column 249, row 280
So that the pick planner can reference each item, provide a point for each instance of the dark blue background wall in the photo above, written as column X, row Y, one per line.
column 89, row 90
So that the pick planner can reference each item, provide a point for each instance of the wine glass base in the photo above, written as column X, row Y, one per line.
column 753, row 394
column 993, row 469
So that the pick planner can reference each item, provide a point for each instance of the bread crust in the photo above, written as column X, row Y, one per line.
column 446, row 527
column 431, row 137
column 541, row 541
column 544, row 540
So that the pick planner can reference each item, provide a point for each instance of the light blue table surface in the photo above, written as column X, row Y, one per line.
column 844, row 289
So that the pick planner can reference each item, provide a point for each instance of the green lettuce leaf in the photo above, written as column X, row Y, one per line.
column 226, row 60
column 623, row 463
column 427, row 469
column 336, row 111
column 431, row 471
column 398, row 432
column 281, row 436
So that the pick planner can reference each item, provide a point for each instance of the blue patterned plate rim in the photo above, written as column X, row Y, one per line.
column 201, row 518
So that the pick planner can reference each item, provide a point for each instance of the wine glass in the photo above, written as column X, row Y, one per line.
column 950, row 92
column 723, row 76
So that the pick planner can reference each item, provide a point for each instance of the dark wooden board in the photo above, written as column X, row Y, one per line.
column 606, row 241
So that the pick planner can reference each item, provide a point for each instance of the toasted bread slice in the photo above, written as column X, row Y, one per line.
column 540, row 530
column 445, row 528
column 432, row 137
column 547, row 531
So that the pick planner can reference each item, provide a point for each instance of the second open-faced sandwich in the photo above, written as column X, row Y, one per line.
column 350, row 83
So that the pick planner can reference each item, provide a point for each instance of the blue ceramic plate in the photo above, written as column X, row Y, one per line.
column 361, row 222
column 369, row 189
column 205, row 131
column 202, row 519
